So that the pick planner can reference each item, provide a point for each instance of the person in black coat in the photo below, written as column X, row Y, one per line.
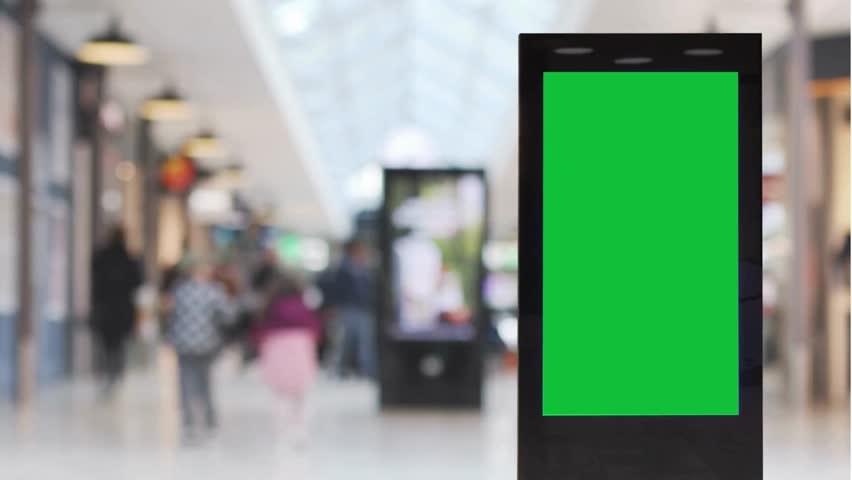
column 349, row 291
column 115, row 278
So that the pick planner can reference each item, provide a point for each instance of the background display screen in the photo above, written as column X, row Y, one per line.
column 640, row 243
column 437, row 223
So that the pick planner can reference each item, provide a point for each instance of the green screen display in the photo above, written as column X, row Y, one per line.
column 640, row 288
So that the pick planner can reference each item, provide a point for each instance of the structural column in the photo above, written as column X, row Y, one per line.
column 150, row 202
column 26, row 377
column 802, row 175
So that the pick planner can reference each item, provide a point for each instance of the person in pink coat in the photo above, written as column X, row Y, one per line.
column 287, row 337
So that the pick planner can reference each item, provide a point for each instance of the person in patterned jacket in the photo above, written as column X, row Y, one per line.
column 200, row 310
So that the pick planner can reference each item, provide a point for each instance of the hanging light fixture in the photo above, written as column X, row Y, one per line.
column 206, row 145
column 232, row 175
column 112, row 48
column 226, row 177
column 167, row 106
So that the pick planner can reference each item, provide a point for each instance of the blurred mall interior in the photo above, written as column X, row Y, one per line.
column 253, row 132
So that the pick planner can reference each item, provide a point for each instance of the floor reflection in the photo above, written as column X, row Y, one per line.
column 70, row 434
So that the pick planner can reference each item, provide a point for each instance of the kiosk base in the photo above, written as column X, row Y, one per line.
column 431, row 375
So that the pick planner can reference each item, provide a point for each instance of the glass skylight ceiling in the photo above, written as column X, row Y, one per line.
column 365, row 68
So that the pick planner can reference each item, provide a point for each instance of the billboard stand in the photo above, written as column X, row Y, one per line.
column 430, row 315
column 640, row 256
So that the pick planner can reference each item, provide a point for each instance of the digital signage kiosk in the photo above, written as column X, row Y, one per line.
column 640, row 254
column 433, row 226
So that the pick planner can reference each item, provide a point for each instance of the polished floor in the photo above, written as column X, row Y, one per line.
column 69, row 434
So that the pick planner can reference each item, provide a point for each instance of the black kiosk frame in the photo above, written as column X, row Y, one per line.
column 428, row 369
column 652, row 447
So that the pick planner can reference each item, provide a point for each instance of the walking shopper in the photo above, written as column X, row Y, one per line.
column 201, row 310
column 115, row 278
column 352, row 300
column 287, row 338
column 261, row 280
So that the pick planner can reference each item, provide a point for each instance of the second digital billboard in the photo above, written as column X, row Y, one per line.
column 435, row 226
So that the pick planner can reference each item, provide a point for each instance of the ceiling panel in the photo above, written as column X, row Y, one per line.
column 366, row 68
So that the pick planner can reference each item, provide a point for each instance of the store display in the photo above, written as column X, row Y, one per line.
column 60, row 85
column 57, row 272
column 8, row 89
column 8, row 244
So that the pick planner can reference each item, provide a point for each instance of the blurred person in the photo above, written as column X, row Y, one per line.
column 842, row 257
column 287, row 337
column 226, row 274
column 171, row 277
column 352, row 300
column 201, row 309
column 841, row 260
column 261, row 275
column 324, row 283
column 251, row 252
column 266, row 271
column 115, row 278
